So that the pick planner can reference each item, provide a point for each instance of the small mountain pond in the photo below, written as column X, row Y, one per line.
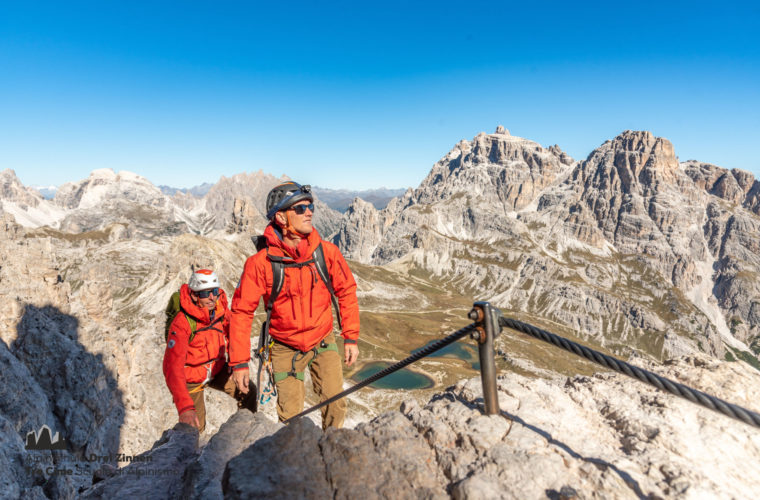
column 409, row 379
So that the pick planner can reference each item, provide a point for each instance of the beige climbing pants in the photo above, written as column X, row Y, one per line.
column 326, row 376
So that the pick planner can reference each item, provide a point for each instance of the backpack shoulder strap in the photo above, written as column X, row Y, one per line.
column 278, row 278
column 193, row 325
column 321, row 265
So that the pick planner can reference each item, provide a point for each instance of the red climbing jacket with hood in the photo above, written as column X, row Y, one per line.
column 199, row 360
column 302, row 312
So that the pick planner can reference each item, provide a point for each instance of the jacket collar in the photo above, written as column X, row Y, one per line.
column 300, row 254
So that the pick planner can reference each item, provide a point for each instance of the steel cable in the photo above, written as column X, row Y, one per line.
column 662, row 383
column 425, row 351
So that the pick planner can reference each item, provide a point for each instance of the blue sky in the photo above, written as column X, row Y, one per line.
column 358, row 96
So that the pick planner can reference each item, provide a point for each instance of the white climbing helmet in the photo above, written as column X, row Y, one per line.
column 203, row 279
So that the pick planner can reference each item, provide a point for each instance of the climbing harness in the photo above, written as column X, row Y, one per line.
column 299, row 355
column 267, row 389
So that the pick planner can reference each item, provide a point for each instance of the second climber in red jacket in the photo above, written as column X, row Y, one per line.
column 196, row 350
column 301, row 319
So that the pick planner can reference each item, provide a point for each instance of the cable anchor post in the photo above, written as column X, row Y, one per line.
column 487, row 330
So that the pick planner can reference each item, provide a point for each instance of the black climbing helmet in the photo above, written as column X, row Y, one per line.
column 285, row 196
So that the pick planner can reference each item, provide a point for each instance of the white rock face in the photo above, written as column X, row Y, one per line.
column 607, row 436
column 103, row 185
column 26, row 205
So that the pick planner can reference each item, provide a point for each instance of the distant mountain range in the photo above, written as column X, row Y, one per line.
column 341, row 199
column 197, row 191
column 337, row 199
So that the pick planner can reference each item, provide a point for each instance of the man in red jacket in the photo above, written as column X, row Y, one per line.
column 301, row 320
column 196, row 350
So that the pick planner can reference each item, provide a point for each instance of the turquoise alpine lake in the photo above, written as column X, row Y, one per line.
column 402, row 379
column 465, row 352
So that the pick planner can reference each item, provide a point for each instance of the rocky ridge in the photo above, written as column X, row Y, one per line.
column 613, row 248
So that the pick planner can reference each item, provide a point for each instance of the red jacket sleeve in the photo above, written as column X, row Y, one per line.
column 345, row 289
column 245, row 301
column 174, row 363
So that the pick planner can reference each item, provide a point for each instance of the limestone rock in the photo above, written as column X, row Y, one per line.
column 156, row 473
column 251, row 187
column 361, row 230
column 341, row 199
column 287, row 464
column 607, row 436
column 246, row 219
column 203, row 478
column 382, row 459
column 105, row 184
column 26, row 205
column 238, row 203
column 11, row 190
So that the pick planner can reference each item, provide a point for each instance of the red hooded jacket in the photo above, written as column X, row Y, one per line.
column 302, row 312
column 194, row 362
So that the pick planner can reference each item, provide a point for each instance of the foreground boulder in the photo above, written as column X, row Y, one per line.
column 176, row 468
column 155, row 473
column 385, row 458
column 203, row 478
column 605, row 436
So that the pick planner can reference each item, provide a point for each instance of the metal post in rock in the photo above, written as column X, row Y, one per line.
column 489, row 327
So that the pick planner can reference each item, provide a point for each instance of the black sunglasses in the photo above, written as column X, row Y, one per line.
column 301, row 209
column 205, row 293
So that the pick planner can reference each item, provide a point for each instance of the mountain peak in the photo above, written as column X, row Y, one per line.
column 8, row 173
column 12, row 190
column 632, row 161
column 104, row 184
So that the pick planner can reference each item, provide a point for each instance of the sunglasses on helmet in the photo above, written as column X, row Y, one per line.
column 301, row 209
column 205, row 293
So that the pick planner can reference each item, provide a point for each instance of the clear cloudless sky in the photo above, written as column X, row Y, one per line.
column 363, row 94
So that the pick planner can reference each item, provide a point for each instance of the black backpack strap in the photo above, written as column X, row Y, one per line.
column 211, row 326
column 278, row 278
column 321, row 265
column 194, row 322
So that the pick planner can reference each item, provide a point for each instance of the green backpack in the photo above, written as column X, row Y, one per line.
column 173, row 308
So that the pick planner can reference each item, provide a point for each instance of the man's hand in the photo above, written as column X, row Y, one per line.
column 352, row 352
column 241, row 380
column 189, row 417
